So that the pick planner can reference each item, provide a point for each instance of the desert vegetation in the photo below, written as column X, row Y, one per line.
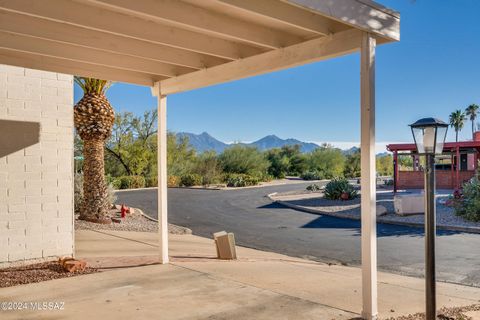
column 131, row 159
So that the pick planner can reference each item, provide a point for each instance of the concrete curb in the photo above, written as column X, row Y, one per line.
column 379, row 219
column 229, row 188
column 185, row 229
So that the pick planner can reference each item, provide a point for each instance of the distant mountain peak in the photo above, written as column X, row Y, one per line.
column 204, row 142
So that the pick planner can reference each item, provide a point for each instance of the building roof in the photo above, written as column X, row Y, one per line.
column 184, row 44
column 447, row 147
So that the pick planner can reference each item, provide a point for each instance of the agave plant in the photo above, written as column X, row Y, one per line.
column 93, row 118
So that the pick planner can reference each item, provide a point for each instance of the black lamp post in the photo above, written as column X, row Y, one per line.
column 429, row 135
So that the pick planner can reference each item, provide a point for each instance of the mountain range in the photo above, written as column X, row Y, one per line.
column 205, row 142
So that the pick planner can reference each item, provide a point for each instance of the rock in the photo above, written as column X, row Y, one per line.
column 130, row 210
column 74, row 265
column 381, row 210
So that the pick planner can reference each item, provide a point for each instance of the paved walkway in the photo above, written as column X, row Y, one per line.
column 260, row 285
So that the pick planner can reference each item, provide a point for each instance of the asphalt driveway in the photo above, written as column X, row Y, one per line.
column 259, row 223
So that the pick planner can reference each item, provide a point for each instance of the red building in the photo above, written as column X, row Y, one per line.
column 457, row 164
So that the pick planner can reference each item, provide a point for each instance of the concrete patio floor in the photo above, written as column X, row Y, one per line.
column 260, row 285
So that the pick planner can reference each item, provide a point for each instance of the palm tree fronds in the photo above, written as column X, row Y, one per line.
column 457, row 119
column 92, row 85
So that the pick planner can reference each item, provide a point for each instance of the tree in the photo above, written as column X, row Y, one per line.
column 180, row 155
column 384, row 165
column 352, row 165
column 457, row 119
column 327, row 161
column 93, row 118
column 472, row 111
column 207, row 167
column 244, row 160
column 287, row 160
column 133, row 145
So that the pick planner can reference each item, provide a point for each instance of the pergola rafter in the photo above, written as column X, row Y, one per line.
column 178, row 45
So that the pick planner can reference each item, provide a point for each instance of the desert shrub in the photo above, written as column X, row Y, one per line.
column 468, row 205
column 151, row 181
column 240, row 180
column 311, row 175
column 352, row 165
column 340, row 188
column 191, row 179
column 327, row 160
column 207, row 166
column 244, row 160
column 116, row 183
column 129, row 182
column 173, row 181
column 388, row 182
column 313, row 187
column 111, row 196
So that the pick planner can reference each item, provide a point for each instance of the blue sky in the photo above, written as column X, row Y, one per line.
column 433, row 70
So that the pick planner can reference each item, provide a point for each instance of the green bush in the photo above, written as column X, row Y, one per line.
column 190, row 179
column 313, row 187
column 468, row 206
column 240, row 180
column 151, row 181
column 129, row 182
column 244, row 160
column 173, row 181
column 311, row 175
column 116, row 183
column 338, row 187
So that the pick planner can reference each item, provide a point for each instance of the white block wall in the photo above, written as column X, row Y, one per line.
column 36, row 187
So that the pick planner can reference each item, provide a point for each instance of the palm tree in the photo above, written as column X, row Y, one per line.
column 93, row 118
column 472, row 112
column 457, row 119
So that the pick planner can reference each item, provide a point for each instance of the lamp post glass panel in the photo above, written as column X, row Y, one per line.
column 429, row 135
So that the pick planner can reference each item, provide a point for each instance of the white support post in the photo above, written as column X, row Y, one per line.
column 162, row 173
column 368, row 178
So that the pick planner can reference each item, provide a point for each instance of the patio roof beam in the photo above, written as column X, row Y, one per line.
column 96, row 18
column 285, row 13
column 310, row 51
column 72, row 52
column 57, row 31
column 363, row 14
column 34, row 61
column 204, row 21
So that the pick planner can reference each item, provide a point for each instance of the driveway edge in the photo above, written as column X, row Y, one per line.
column 271, row 196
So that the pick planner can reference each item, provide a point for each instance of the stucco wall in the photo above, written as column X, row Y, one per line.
column 36, row 164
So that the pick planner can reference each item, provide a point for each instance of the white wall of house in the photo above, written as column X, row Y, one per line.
column 36, row 165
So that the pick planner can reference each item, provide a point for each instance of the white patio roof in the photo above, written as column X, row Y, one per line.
column 184, row 44
column 179, row 45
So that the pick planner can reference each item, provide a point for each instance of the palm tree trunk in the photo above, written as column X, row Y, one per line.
column 456, row 135
column 94, row 207
column 473, row 128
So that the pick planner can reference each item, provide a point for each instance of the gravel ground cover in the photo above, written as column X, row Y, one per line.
column 456, row 313
column 351, row 209
column 38, row 272
column 132, row 222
